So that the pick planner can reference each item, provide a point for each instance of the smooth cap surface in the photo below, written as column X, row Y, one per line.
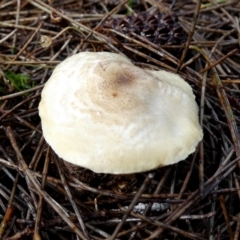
column 101, row 112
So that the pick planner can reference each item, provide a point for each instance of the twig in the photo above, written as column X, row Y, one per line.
column 25, row 45
column 131, row 206
column 10, row 210
column 218, row 61
column 45, row 196
column 225, row 214
column 70, row 197
column 36, row 234
column 190, row 34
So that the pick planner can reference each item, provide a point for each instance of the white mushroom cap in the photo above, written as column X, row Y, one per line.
column 101, row 112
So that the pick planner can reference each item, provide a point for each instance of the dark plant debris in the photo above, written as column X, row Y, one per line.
column 199, row 198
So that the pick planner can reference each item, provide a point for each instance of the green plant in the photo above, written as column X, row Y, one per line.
column 18, row 80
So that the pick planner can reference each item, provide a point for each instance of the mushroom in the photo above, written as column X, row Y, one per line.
column 101, row 112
